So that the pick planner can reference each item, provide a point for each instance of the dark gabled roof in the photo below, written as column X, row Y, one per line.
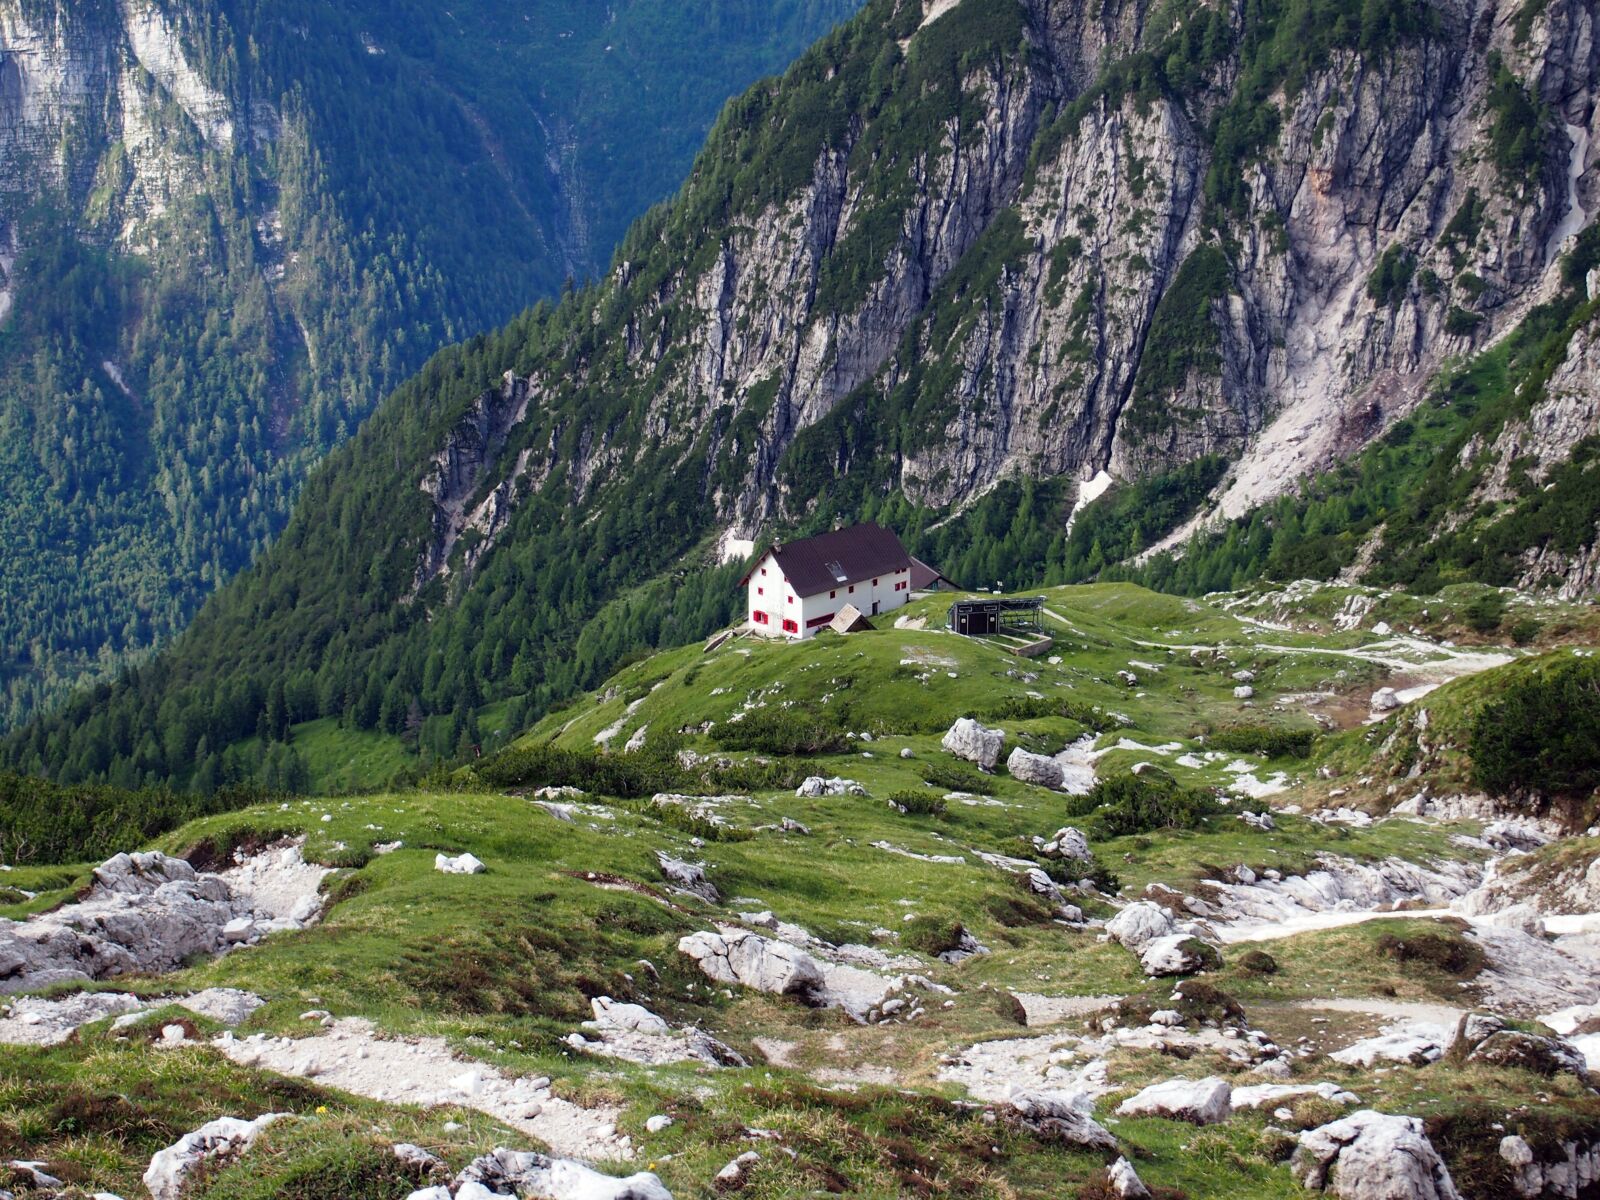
column 837, row 559
column 924, row 577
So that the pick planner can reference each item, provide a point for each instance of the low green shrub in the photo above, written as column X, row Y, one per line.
column 1543, row 734
column 1450, row 953
column 932, row 933
column 921, row 804
column 1120, row 805
column 956, row 777
column 1257, row 962
column 783, row 731
column 1272, row 741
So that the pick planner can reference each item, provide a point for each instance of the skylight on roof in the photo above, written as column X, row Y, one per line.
column 838, row 571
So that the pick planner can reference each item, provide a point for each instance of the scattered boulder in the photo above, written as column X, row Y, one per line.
column 1026, row 767
column 224, row 1137
column 48, row 1021
column 969, row 740
column 1206, row 1101
column 525, row 1173
column 657, row 1123
column 1261, row 820
column 1124, row 1181
column 1139, row 924
column 752, row 961
column 907, row 752
column 461, row 864
column 1373, row 1156
column 1063, row 1117
column 1571, row 1171
column 1178, row 954
column 688, row 876
column 1417, row 1043
column 614, row 1015
column 1066, row 843
column 1385, row 700
column 816, row 785
column 1041, row 884
column 734, row 1174
column 1547, row 1056
column 1244, row 692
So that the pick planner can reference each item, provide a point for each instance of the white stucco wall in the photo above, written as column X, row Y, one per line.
column 771, row 594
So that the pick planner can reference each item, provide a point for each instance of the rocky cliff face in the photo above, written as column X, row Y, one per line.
column 1080, row 268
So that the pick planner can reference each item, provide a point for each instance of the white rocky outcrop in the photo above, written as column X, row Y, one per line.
column 687, row 876
column 752, row 961
column 1066, row 842
column 1063, row 1116
column 1206, row 1101
column 146, row 913
column 1124, row 1181
column 1415, row 1043
column 1373, row 1156
column 524, row 1173
column 1027, row 767
column 47, row 1021
column 817, row 785
column 1139, row 924
column 635, row 1034
column 226, row 1137
column 1571, row 1173
column 1175, row 954
column 969, row 740
column 461, row 864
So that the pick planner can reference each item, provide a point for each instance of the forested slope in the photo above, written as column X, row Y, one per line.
column 228, row 228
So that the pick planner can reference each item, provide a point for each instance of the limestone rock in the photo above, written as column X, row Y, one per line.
column 691, row 877
column 1124, row 1181
column 1037, row 769
column 969, row 740
column 1373, row 1156
column 525, row 1173
column 752, row 961
column 1068, row 843
column 224, row 1137
column 1139, row 924
column 1063, row 1117
column 461, row 864
column 147, row 913
column 612, row 1014
column 1206, row 1101
column 733, row 1174
column 1177, row 954
column 817, row 785
column 1385, row 700
column 1547, row 1056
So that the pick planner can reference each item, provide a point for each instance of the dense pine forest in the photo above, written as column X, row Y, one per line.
column 172, row 366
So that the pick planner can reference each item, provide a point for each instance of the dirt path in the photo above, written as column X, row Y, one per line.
column 353, row 1058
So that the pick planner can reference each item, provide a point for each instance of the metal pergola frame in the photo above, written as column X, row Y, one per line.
column 988, row 618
